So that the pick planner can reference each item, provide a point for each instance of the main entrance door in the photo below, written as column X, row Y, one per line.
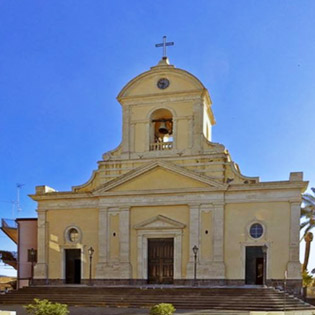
column 73, row 265
column 254, row 265
column 160, row 260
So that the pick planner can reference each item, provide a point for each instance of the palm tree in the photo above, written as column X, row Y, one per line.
column 308, row 223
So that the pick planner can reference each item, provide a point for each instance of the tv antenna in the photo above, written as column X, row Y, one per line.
column 16, row 205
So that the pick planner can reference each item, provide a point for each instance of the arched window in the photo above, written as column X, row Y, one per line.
column 161, row 131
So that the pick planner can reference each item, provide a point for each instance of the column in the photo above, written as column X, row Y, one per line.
column 294, row 266
column 41, row 268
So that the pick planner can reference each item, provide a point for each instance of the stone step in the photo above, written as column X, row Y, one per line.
column 154, row 298
column 218, row 312
column 216, row 299
column 187, row 305
column 175, row 298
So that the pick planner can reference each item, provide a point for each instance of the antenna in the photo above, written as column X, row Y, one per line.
column 18, row 189
column 15, row 203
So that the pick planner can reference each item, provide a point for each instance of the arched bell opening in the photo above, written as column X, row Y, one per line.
column 161, row 137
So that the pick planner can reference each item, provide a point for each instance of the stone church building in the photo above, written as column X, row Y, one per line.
column 166, row 189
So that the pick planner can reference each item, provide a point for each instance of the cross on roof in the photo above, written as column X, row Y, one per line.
column 164, row 44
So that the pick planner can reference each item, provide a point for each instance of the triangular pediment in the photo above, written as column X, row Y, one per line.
column 159, row 176
column 159, row 222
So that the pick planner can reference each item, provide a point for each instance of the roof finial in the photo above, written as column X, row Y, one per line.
column 164, row 44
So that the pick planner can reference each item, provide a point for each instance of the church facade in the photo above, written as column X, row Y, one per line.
column 165, row 190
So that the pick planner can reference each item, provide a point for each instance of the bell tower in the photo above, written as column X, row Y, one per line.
column 166, row 111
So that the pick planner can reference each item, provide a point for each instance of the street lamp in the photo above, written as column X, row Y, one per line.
column 195, row 251
column 91, row 252
column 264, row 250
column 32, row 258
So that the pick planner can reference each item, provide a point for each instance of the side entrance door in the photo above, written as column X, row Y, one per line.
column 73, row 265
column 254, row 265
column 161, row 260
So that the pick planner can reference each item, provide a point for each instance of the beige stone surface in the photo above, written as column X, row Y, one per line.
column 188, row 189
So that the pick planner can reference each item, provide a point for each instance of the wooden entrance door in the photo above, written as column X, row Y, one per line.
column 160, row 260
column 73, row 265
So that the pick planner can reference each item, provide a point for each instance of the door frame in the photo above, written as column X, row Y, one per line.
column 142, row 250
column 243, row 257
column 63, row 260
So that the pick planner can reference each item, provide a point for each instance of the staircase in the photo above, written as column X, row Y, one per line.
column 228, row 299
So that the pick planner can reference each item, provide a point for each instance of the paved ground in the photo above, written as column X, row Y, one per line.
column 115, row 311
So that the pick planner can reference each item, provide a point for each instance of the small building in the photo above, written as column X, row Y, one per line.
column 23, row 232
column 166, row 189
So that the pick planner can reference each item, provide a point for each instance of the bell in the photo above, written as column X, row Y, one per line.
column 162, row 128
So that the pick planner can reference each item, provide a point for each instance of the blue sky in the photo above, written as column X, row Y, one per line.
column 62, row 64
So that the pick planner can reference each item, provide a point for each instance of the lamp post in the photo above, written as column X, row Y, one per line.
column 91, row 252
column 195, row 251
column 32, row 254
column 264, row 250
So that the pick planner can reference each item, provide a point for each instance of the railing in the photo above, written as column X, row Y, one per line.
column 8, row 223
column 160, row 146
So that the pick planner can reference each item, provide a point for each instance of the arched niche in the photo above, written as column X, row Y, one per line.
column 161, row 130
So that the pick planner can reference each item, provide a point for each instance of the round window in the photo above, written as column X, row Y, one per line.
column 73, row 235
column 256, row 230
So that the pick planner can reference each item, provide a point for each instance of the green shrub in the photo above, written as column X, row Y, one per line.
column 45, row 307
column 307, row 279
column 162, row 309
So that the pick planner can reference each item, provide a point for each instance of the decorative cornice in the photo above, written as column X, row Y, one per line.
column 61, row 195
column 158, row 98
column 267, row 185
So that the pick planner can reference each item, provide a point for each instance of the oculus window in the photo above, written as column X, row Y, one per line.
column 256, row 230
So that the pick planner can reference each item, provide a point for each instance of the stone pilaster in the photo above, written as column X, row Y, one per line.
column 218, row 240
column 194, row 230
column 132, row 138
column 41, row 268
column 102, row 242
column 294, row 265
column 175, row 133
column 197, row 126
column 124, row 232
column 126, row 131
